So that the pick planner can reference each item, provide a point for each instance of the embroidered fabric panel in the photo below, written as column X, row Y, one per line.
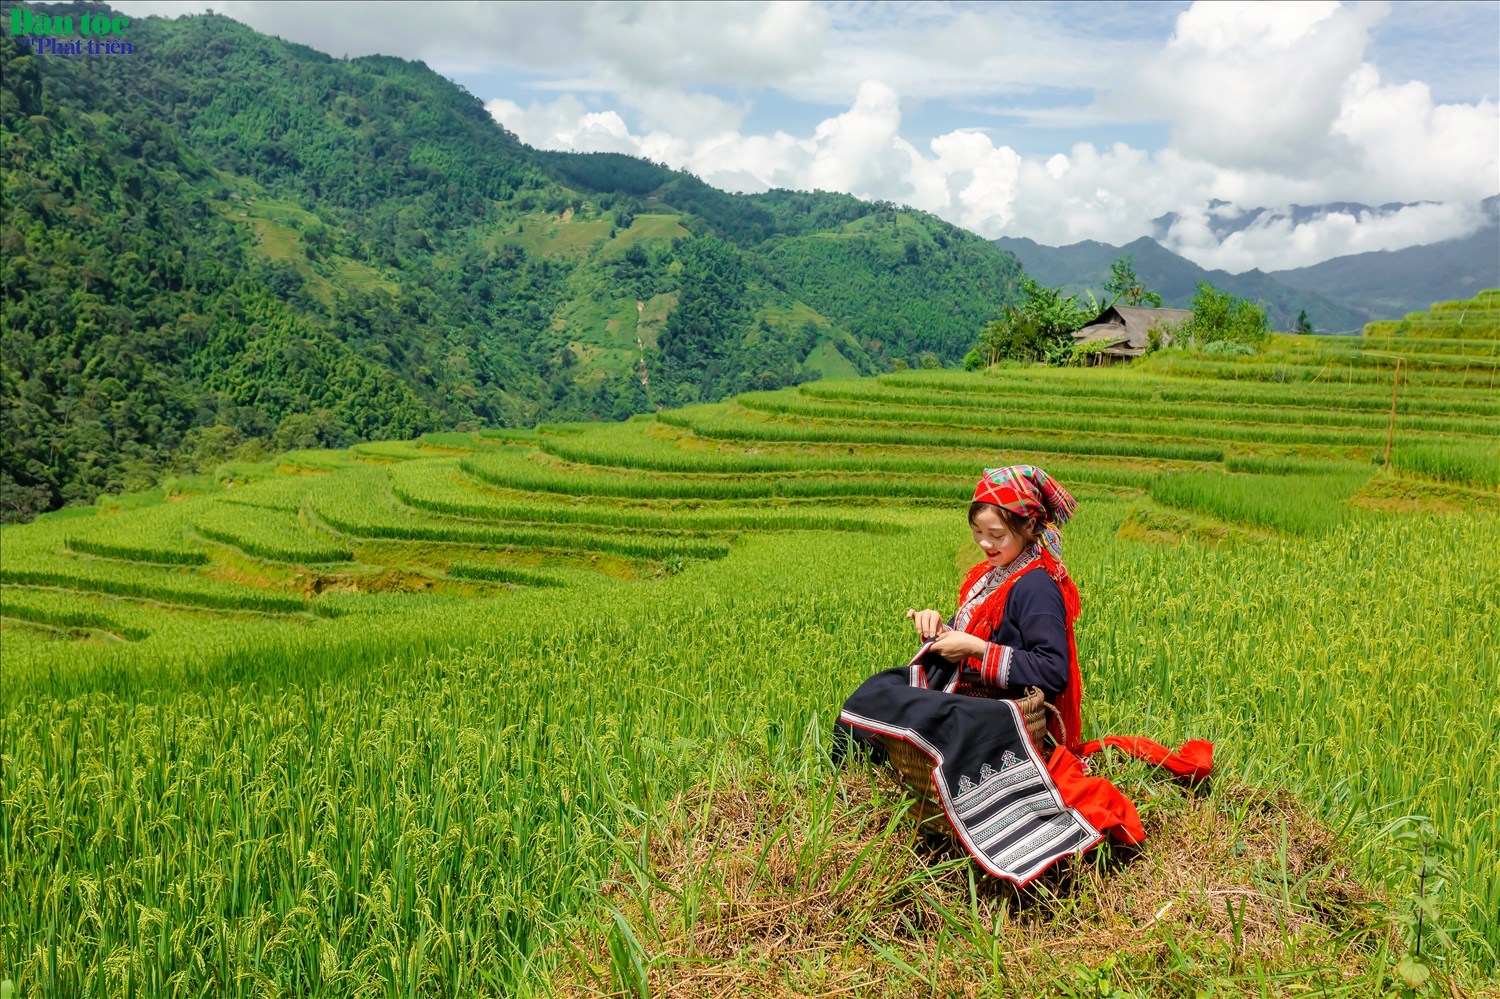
column 1011, row 819
column 1015, row 819
column 989, row 584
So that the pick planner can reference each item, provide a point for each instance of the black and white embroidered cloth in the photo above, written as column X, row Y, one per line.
column 992, row 782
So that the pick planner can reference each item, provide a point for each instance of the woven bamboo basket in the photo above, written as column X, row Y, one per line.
column 914, row 767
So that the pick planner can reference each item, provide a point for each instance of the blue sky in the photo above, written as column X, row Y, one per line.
column 1058, row 121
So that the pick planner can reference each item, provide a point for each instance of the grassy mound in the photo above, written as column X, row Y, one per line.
column 757, row 884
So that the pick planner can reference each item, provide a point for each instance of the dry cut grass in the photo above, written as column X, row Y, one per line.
column 755, row 888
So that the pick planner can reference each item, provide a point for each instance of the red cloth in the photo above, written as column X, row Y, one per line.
column 986, row 617
column 1095, row 798
column 1069, row 732
column 1194, row 759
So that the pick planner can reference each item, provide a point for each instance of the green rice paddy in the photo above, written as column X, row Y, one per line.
column 450, row 717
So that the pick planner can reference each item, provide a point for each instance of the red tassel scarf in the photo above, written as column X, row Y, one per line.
column 986, row 618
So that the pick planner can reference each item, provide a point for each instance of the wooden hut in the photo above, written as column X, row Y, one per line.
column 1126, row 331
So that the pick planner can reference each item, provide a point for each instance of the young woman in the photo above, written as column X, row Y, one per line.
column 1014, row 624
column 1014, row 811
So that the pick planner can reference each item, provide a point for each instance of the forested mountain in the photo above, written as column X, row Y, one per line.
column 226, row 243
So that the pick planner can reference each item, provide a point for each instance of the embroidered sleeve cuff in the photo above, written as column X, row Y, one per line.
column 995, row 671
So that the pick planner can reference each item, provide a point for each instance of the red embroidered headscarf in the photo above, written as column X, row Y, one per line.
column 1028, row 491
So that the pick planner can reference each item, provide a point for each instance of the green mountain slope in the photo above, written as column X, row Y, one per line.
column 228, row 243
column 1085, row 265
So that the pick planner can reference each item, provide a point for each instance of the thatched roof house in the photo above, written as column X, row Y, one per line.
column 1127, row 330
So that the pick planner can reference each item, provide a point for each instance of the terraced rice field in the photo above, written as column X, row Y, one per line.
column 1454, row 345
column 1465, row 321
column 547, row 712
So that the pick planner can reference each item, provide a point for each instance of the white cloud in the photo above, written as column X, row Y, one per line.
column 659, row 44
column 1257, row 84
column 1110, row 195
column 1277, row 241
column 982, row 182
column 566, row 124
column 808, row 51
column 1405, row 143
column 860, row 150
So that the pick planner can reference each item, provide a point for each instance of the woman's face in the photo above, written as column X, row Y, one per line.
column 995, row 537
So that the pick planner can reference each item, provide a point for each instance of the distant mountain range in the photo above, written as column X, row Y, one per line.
column 1339, row 295
column 1225, row 218
column 1387, row 284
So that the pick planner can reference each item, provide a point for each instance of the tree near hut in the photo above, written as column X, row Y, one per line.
column 1123, row 283
column 1039, row 329
column 1303, row 326
column 1219, row 317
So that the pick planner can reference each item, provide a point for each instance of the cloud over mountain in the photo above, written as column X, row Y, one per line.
column 1269, row 105
column 1021, row 120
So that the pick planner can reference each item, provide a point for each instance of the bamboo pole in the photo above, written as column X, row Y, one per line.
column 1390, row 436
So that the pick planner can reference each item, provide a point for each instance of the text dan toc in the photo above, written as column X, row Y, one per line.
column 53, row 35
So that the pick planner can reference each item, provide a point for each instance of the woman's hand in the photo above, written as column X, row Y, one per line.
column 929, row 623
column 955, row 645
